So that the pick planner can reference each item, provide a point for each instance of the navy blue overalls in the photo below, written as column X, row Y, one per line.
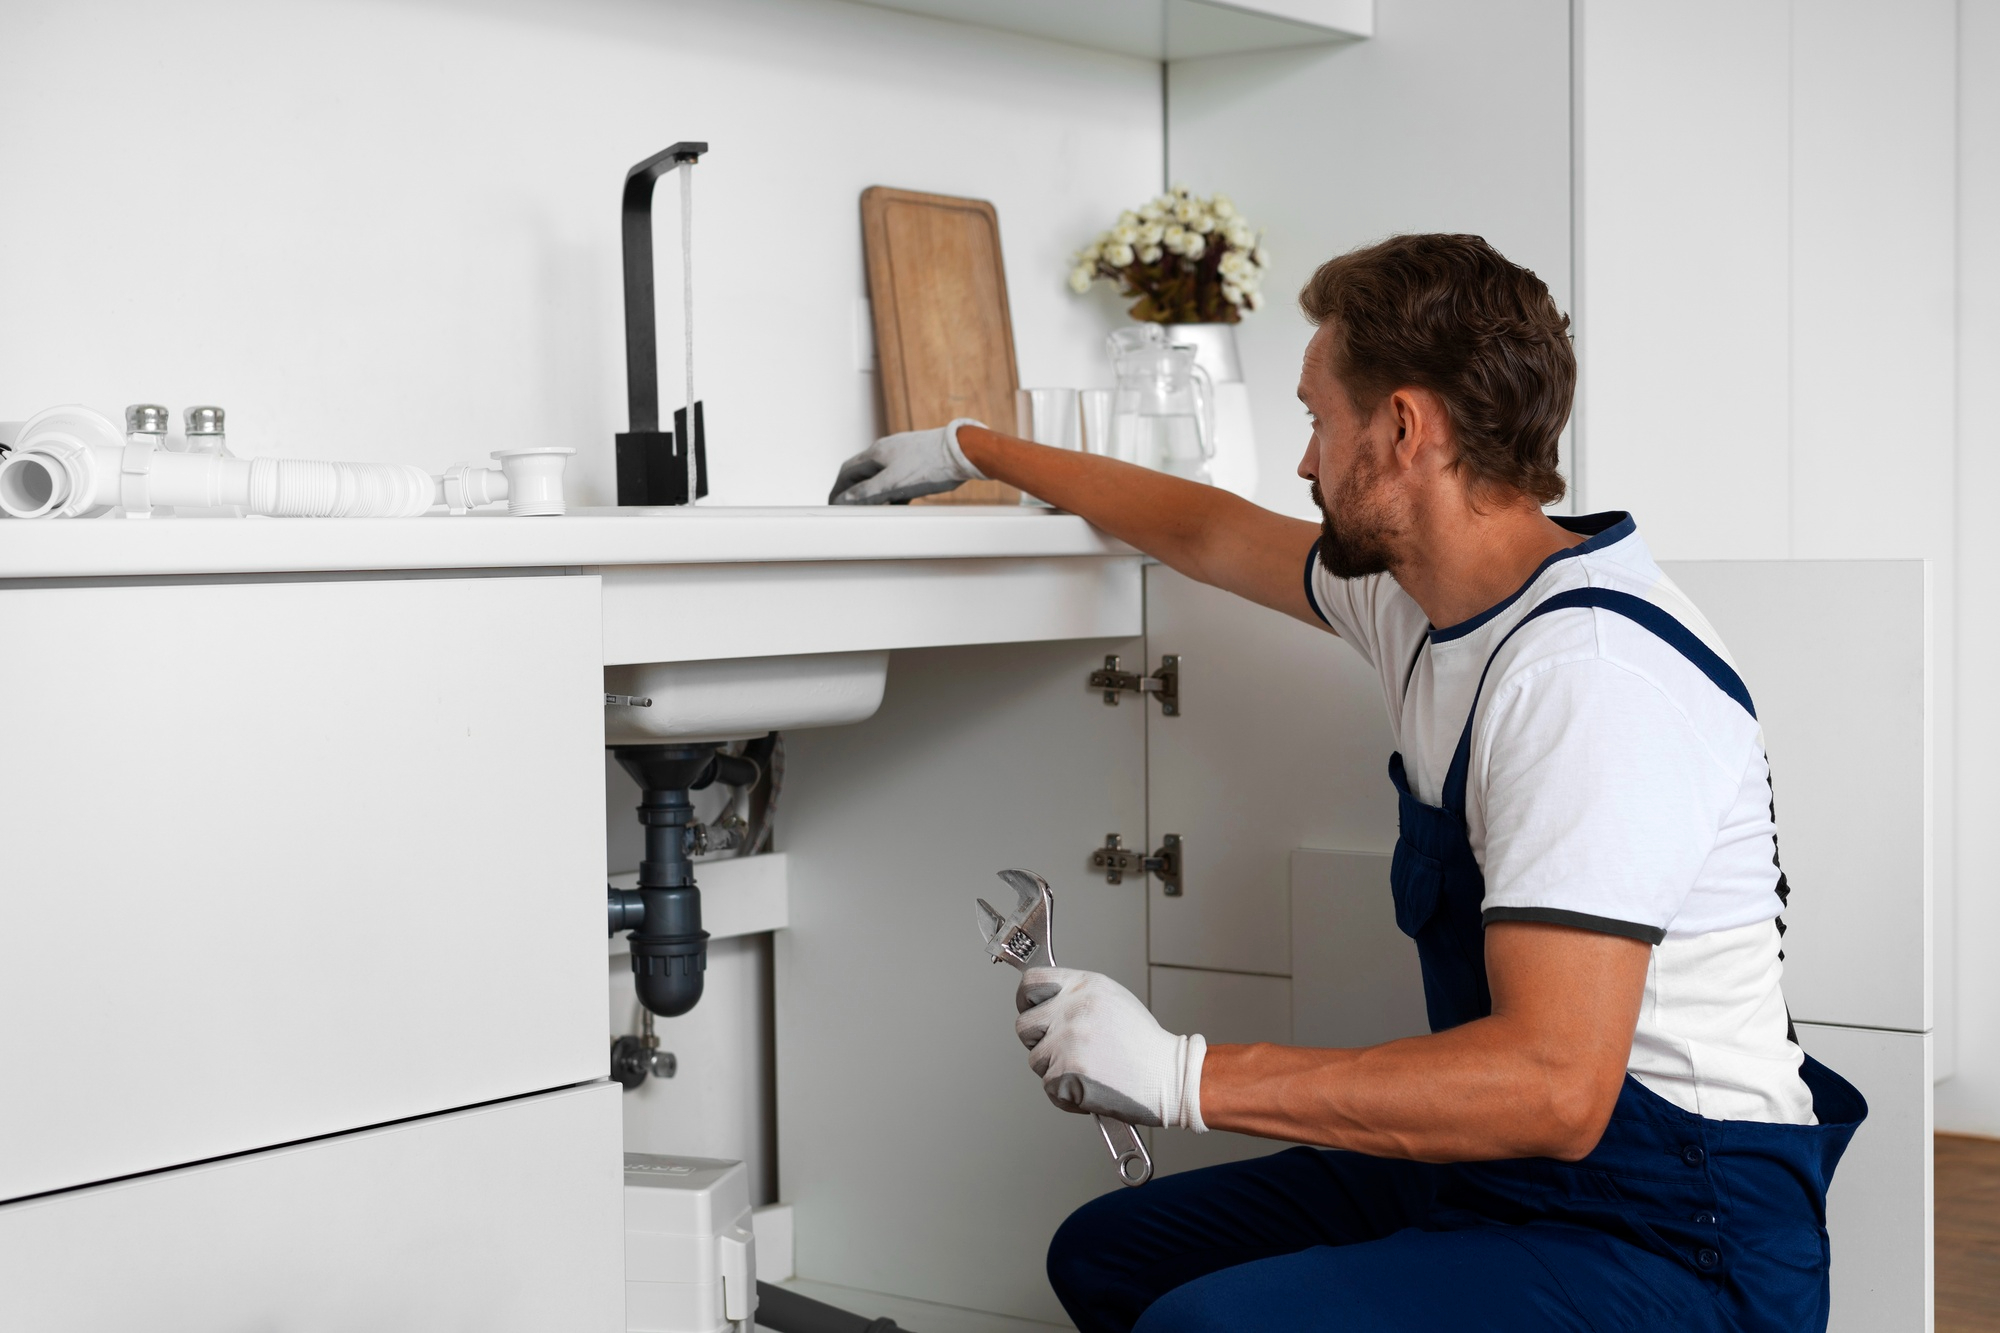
column 1673, row 1222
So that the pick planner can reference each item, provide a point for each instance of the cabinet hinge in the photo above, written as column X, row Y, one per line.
column 1117, row 860
column 1164, row 684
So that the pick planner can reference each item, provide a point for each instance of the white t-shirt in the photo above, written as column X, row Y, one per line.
column 1612, row 786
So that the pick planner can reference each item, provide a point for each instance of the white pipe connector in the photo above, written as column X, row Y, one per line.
column 529, row 480
column 71, row 462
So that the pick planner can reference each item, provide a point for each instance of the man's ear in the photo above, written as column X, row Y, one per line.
column 1420, row 424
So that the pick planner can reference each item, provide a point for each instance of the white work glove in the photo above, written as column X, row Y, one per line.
column 1098, row 1049
column 899, row 468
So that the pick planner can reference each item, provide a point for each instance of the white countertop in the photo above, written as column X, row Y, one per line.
column 110, row 548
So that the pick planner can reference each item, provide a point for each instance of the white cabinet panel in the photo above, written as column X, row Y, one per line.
column 1355, row 979
column 1281, row 741
column 1834, row 653
column 506, row 1219
column 1879, row 1209
column 1482, row 96
column 270, row 845
column 1682, row 167
column 685, row 613
column 915, row 1145
column 1226, row 1008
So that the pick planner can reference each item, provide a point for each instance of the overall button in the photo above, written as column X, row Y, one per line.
column 1693, row 1155
column 1704, row 1219
column 1706, row 1259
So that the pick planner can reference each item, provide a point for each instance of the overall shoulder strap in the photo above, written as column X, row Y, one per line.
column 1641, row 612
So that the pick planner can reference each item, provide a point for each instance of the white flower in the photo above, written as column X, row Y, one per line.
column 1234, row 265
column 1124, row 234
column 1180, row 188
column 1079, row 279
column 1150, row 255
column 1239, row 234
column 1173, row 235
column 1232, row 293
column 1203, row 222
column 1261, row 258
column 1194, row 246
column 1151, row 211
column 1222, row 208
column 1164, row 202
column 1186, row 210
column 1127, row 219
column 1253, row 299
column 1118, row 254
column 1151, row 233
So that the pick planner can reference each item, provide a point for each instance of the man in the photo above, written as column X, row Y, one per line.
column 1609, row 1125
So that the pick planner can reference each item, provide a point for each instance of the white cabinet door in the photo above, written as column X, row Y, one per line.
column 915, row 1145
column 1225, row 1007
column 1355, row 979
column 1834, row 653
column 1281, row 742
column 278, row 854
column 1878, row 1212
column 507, row 1219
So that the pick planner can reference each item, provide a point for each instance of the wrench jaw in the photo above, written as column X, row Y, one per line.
column 1021, row 939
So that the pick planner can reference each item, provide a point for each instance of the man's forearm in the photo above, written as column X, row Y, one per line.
column 1473, row 1093
column 1166, row 517
column 1202, row 531
column 1536, row 1078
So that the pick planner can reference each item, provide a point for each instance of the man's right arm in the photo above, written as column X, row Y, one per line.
column 1202, row 531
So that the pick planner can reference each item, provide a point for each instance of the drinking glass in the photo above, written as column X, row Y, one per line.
column 1046, row 416
column 1094, row 410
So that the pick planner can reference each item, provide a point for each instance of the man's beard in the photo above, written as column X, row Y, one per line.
column 1357, row 544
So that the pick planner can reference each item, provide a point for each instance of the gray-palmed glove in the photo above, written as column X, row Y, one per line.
column 1098, row 1049
column 898, row 468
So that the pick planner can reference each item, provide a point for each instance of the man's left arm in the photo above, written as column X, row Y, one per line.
column 1536, row 1078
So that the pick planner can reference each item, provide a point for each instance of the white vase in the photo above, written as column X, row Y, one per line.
column 1234, row 467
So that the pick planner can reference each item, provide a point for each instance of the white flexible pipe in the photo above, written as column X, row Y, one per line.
column 71, row 462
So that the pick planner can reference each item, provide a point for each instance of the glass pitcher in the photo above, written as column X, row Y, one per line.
column 1163, row 410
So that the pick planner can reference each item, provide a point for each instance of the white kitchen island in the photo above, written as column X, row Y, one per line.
column 302, row 938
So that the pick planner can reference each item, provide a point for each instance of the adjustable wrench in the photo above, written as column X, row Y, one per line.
column 1021, row 939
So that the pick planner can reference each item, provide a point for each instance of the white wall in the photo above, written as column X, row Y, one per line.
column 1453, row 117
column 389, row 228
column 1766, row 267
column 1971, row 1101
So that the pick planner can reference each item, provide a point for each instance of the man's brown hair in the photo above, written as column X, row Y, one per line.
column 1452, row 315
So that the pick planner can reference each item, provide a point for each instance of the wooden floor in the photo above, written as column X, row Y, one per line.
column 1968, row 1234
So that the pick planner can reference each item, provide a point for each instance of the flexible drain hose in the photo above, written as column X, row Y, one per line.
column 788, row 1312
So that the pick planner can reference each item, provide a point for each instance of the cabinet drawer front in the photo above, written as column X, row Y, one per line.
column 281, row 856
column 509, row 1217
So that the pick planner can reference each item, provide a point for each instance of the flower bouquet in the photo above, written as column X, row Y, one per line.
column 1188, row 260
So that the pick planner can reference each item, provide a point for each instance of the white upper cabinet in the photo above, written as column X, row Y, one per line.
column 1163, row 29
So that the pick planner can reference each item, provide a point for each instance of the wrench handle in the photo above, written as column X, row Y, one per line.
column 1128, row 1150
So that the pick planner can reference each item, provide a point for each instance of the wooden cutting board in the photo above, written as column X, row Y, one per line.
column 944, row 339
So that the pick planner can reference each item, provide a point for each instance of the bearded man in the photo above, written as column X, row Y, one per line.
column 1610, row 1124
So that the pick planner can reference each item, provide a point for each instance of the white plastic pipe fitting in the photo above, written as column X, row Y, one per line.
column 529, row 480
column 71, row 462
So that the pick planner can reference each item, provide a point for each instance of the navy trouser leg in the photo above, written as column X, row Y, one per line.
column 1119, row 1253
column 1492, row 1279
